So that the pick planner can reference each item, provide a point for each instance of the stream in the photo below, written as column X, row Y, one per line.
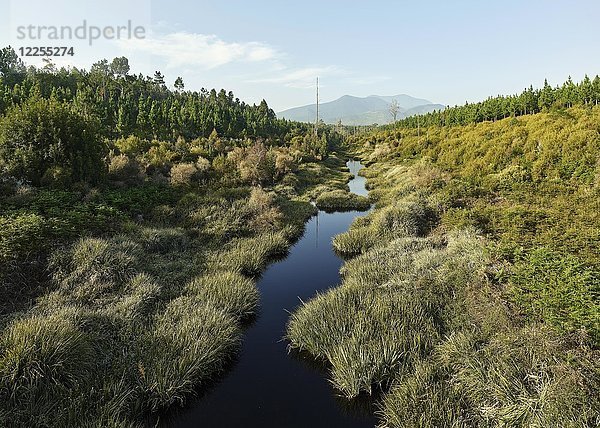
column 268, row 386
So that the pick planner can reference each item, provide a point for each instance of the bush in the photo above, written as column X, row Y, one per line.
column 122, row 168
column 557, row 289
column 183, row 174
column 42, row 134
column 266, row 216
column 20, row 235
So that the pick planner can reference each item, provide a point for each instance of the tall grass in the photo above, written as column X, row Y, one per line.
column 228, row 291
column 393, row 306
column 39, row 352
column 250, row 256
column 341, row 200
column 190, row 345
column 397, row 220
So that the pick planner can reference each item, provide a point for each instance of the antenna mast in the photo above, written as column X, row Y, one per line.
column 317, row 119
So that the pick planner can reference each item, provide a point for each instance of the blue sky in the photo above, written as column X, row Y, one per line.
column 446, row 51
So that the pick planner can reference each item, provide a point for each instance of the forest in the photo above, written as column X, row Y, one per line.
column 530, row 101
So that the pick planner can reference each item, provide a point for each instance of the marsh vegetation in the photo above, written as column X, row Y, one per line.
column 135, row 221
column 470, row 294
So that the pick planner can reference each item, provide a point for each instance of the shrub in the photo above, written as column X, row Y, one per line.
column 56, row 176
column 183, row 174
column 557, row 289
column 42, row 134
column 20, row 235
column 132, row 146
column 266, row 216
column 122, row 168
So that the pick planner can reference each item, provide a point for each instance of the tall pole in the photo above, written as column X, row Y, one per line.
column 317, row 119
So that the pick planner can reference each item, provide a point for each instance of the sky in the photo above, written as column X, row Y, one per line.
column 445, row 51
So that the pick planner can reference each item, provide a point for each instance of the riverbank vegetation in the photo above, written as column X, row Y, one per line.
column 134, row 222
column 470, row 295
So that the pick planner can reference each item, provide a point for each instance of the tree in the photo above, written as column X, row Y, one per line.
column 120, row 66
column 101, row 67
column 10, row 62
column 546, row 96
column 158, row 78
column 215, row 143
column 179, row 84
column 394, row 109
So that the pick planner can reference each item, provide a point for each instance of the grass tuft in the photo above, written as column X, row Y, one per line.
column 228, row 291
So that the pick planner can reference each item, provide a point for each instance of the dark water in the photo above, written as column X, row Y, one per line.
column 267, row 386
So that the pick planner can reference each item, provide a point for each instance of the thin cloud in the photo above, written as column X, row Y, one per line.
column 201, row 50
column 300, row 78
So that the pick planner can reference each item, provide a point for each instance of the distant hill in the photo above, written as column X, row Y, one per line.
column 361, row 111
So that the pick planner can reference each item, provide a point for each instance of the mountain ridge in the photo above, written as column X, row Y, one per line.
column 353, row 110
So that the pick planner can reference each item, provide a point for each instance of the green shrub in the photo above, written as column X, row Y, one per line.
column 20, row 235
column 558, row 289
column 42, row 134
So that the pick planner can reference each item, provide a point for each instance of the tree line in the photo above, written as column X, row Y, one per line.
column 129, row 104
column 530, row 101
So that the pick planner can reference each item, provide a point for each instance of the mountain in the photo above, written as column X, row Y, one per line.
column 361, row 111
